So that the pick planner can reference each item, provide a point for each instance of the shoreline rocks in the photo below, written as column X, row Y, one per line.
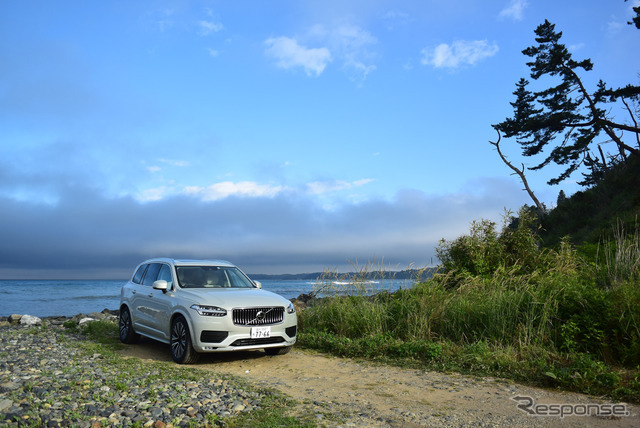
column 30, row 320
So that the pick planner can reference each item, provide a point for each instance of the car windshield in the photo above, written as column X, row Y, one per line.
column 212, row 277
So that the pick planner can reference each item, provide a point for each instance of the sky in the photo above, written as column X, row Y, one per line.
column 284, row 136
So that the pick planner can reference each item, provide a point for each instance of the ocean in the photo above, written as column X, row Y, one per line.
column 72, row 297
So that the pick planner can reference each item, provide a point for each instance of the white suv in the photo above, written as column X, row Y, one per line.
column 204, row 306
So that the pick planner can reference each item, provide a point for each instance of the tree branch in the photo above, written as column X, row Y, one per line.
column 607, row 125
column 632, row 118
column 520, row 174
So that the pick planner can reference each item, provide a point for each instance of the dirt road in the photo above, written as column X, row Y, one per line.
column 350, row 393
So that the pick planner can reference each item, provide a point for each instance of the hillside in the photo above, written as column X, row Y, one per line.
column 591, row 214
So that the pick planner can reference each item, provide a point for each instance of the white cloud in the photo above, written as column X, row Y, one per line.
column 208, row 27
column 174, row 162
column 353, row 45
column 347, row 44
column 226, row 189
column 155, row 194
column 214, row 53
column 322, row 187
column 514, row 10
column 289, row 54
column 458, row 53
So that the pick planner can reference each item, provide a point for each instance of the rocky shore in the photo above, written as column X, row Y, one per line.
column 48, row 378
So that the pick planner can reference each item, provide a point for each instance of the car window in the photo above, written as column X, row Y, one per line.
column 211, row 277
column 152, row 274
column 238, row 280
column 137, row 278
column 165, row 274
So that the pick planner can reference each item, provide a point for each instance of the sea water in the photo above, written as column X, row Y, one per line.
column 71, row 297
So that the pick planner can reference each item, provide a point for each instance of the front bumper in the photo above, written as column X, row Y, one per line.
column 220, row 334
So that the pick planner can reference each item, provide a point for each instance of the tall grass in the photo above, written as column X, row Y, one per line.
column 499, row 293
column 622, row 254
column 352, row 301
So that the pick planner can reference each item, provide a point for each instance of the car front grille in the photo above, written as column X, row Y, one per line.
column 258, row 316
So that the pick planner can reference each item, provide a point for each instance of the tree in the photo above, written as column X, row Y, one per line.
column 567, row 112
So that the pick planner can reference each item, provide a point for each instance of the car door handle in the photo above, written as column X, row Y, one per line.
column 150, row 294
column 133, row 291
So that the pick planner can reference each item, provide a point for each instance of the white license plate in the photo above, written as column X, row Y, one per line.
column 260, row 332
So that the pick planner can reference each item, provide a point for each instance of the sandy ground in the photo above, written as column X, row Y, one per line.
column 345, row 392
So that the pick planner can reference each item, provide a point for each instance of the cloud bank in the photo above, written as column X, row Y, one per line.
column 87, row 235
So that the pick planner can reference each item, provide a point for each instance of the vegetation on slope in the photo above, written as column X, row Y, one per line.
column 503, row 304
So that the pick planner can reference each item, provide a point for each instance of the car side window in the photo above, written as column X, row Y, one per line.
column 137, row 278
column 165, row 274
column 152, row 274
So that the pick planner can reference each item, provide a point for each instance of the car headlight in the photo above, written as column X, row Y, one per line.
column 209, row 311
column 291, row 309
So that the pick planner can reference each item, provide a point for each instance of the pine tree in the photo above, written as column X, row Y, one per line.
column 567, row 111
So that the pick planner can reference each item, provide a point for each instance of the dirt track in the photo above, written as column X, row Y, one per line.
column 362, row 394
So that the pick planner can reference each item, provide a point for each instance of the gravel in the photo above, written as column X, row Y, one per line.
column 48, row 379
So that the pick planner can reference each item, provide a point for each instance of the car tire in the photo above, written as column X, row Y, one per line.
column 278, row 351
column 125, row 327
column 182, row 350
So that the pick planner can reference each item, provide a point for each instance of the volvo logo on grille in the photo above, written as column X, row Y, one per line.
column 260, row 316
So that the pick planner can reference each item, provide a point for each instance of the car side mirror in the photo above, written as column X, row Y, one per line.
column 161, row 284
column 258, row 284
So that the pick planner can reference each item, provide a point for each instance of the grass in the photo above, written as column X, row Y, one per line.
column 502, row 306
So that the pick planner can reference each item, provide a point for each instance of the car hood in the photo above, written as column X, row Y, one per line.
column 232, row 298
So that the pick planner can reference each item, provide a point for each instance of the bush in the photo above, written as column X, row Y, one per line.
column 484, row 251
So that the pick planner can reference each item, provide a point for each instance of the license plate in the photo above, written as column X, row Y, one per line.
column 260, row 332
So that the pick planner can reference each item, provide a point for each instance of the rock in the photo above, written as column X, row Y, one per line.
column 15, row 318
column 9, row 386
column 5, row 404
column 30, row 320
column 86, row 320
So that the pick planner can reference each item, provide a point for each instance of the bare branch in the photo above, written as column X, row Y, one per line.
column 632, row 118
column 520, row 174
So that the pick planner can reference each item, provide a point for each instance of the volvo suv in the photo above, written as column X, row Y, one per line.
column 204, row 306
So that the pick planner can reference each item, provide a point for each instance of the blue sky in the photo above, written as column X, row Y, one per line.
column 286, row 136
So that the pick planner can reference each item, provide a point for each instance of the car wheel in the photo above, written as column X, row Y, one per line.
column 127, row 334
column 182, row 350
column 278, row 351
